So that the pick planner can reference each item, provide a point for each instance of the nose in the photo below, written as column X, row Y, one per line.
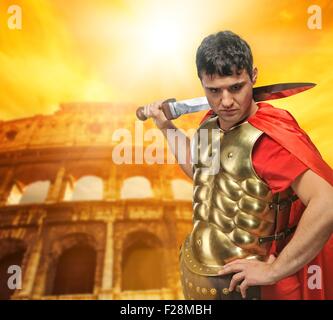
column 227, row 100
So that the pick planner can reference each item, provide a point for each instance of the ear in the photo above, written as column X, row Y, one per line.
column 254, row 75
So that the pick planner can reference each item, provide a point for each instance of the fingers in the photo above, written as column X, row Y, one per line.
column 232, row 268
column 147, row 110
column 243, row 287
column 238, row 261
column 152, row 110
column 235, row 279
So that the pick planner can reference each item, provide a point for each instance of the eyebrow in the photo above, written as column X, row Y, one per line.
column 234, row 84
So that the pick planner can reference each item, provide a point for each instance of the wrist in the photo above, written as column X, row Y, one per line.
column 275, row 272
column 165, row 125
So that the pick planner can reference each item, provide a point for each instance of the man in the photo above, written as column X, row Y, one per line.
column 266, row 216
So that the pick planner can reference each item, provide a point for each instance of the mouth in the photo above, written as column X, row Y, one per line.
column 229, row 111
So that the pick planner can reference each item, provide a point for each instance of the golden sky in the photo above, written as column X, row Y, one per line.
column 138, row 51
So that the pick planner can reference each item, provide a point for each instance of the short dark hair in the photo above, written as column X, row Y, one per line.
column 219, row 53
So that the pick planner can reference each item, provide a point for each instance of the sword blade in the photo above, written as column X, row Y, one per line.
column 263, row 93
column 179, row 108
column 280, row 90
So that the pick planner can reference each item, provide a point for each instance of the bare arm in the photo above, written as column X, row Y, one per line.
column 315, row 226
column 177, row 140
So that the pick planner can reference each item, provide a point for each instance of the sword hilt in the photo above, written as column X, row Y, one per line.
column 164, row 107
column 140, row 114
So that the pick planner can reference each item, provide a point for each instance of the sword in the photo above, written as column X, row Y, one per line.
column 174, row 109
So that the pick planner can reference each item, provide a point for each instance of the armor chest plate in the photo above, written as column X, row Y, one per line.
column 230, row 202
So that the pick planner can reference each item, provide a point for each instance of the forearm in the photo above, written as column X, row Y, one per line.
column 180, row 146
column 313, row 231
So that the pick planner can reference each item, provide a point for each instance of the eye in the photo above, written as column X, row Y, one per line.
column 213, row 90
column 236, row 87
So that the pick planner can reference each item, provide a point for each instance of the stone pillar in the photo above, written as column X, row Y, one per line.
column 157, row 188
column 107, row 280
column 162, row 188
column 5, row 186
column 117, row 267
column 30, row 271
column 112, row 185
column 57, row 188
column 167, row 188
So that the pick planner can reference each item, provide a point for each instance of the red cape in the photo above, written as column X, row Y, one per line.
column 281, row 126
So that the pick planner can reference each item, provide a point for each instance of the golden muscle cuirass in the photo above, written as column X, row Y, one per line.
column 231, row 204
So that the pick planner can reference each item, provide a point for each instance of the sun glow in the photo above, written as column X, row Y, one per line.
column 163, row 37
column 141, row 51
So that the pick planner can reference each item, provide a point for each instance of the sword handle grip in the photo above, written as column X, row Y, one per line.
column 164, row 107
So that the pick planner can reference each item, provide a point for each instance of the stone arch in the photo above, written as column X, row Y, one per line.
column 75, row 271
column 30, row 173
column 12, row 252
column 15, row 194
column 79, row 169
column 87, row 187
column 182, row 189
column 142, row 262
column 30, row 183
column 35, row 192
column 72, row 265
column 136, row 187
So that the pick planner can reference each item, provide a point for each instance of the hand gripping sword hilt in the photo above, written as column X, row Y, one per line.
column 165, row 107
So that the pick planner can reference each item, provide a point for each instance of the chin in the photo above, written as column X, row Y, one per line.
column 231, row 119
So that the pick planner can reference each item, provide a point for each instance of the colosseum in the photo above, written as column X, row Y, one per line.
column 79, row 225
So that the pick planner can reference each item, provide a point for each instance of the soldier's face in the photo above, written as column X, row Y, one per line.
column 230, row 97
